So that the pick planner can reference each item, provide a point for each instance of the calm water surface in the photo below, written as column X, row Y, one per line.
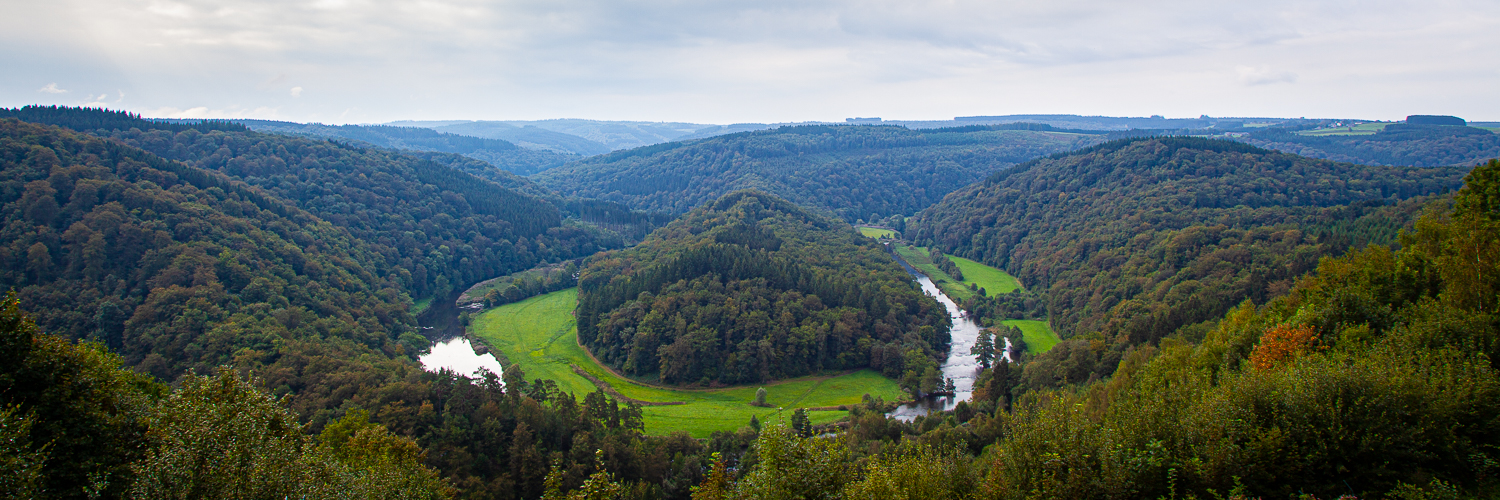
column 458, row 354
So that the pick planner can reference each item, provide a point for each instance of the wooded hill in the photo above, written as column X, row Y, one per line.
column 432, row 228
column 1396, row 145
column 857, row 172
column 182, row 270
column 751, row 288
column 500, row 153
column 1132, row 240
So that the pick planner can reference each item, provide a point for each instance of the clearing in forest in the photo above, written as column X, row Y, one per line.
column 539, row 336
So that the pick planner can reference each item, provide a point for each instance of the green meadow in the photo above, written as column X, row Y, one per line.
column 1038, row 335
column 1361, row 129
column 992, row 280
column 539, row 336
column 875, row 232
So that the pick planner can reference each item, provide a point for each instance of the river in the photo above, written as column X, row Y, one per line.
column 458, row 354
column 961, row 366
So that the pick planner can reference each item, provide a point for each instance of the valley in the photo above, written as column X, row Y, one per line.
column 1014, row 301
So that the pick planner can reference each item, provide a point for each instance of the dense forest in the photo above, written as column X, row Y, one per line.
column 857, row 172
column 751, row 288
column 499, row 153
column 1396, row 145
column 1132, row 240
column 220, row 313
column 1373, row 377
column 434, row 229
column 181, row 270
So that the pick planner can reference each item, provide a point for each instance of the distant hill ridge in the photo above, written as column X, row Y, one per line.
column 857, row 172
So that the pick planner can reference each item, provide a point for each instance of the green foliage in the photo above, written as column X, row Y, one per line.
column 752, row 288
column 174, row 267
column 1135, row 239
column 516, row 287
column 913, row 471
column 793, row 467
column 20, row 460
column 1403, row 391
column 857, row 172
column 221, row 438
column 73, row 418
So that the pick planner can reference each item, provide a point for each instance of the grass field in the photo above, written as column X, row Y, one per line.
column 1361, row 129
column 539, row 336
column 420, row 305
column 992, row 280
column 1038, row 335
column 917, row 258
column 875, row 232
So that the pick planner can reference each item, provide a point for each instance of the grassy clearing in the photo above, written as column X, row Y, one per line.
column 1361, row 129
column 539, row 336
column 1038, row 335
column 875, row 232
column 992, row 280
column 917, row 258
column 420, row 305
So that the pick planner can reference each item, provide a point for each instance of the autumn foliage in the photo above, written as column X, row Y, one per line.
column 1282, row 342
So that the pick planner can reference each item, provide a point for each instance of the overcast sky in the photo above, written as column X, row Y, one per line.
column 365, row 61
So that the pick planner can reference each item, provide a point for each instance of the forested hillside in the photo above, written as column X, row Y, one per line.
column 751, row 288
column 1134, row 239
column 434, row 228
column 1373, row 378
column 1395, row 145
column 497, row 152
column 182, row 270
column 858, row 172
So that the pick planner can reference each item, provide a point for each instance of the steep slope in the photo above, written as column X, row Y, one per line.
column 437, row 228
column 172, row 266
column 1136, row 238
column 858, row 172
column 751, row 288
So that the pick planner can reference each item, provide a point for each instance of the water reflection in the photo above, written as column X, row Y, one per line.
column 458, row 354
column 961, row 366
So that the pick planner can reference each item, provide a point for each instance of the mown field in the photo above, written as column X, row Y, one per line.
column 539, row 336
column 1361, row 129
column 875, row 232
column 992, row 280
column 1038, row 335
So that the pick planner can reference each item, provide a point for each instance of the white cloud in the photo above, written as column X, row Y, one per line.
column 1264, row 75
column 51, row 88
column 296, row 91
column 770, row 60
